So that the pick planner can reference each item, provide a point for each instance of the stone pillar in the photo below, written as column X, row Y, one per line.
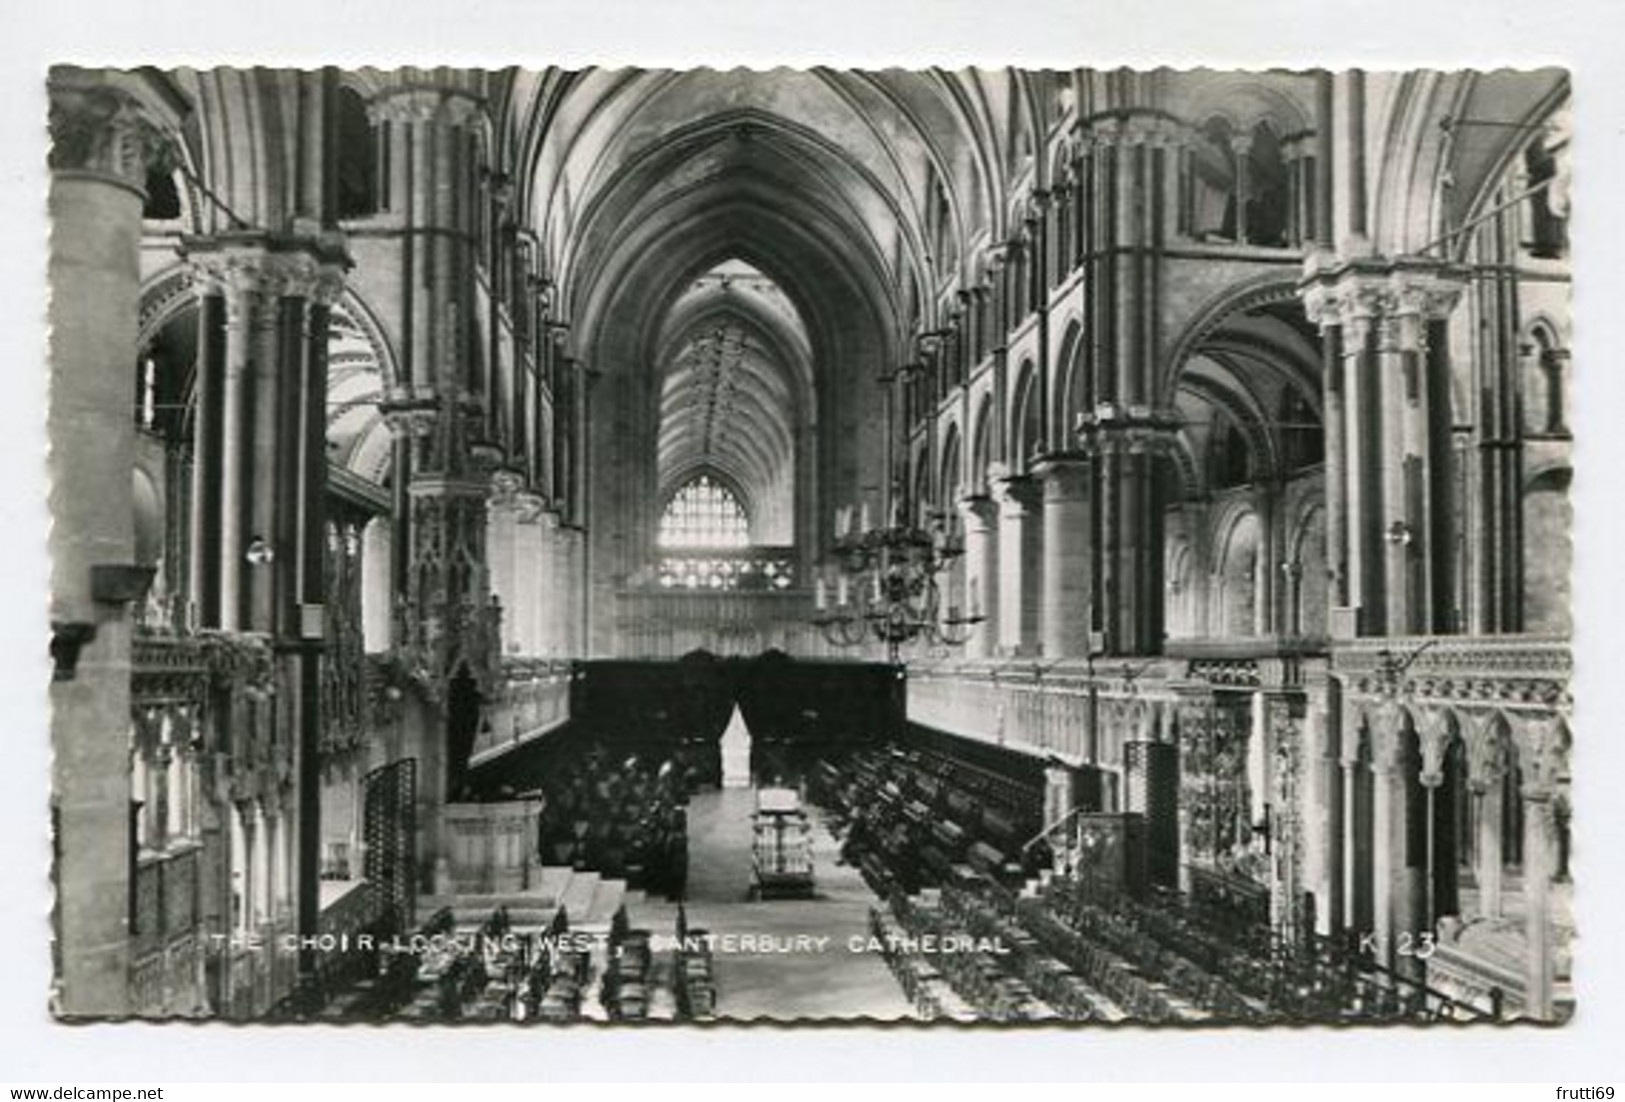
column 1060, row 795
column 1241, row 148
column 433, row 123
column 502, row 542
column 981, row 575
column 1266, row 619
column 1389, row 466
column 571, row 596
column 270, row 477
column 1321, row 806
column 1020, row 562
column 1543, row 755
column 1487, row 768
column 1068, row 560
column 1354, row 844
column 1127, row 443
column 548, row 612
column 1537, row 874
column 1388, row 816
column 101, row 146
column 530, row 578
column 1434, row 732
column 1130, row 172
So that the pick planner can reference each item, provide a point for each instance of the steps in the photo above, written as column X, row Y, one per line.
column 576, row 898
column 607, row 898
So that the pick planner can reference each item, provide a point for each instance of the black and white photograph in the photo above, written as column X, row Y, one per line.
column 536, row 545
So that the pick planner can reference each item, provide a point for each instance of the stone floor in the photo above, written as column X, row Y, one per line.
column 755, row 976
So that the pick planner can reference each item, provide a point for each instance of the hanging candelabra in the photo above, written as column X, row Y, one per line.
column 885, row 585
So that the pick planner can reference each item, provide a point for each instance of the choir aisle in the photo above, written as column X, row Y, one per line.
column 820, row 978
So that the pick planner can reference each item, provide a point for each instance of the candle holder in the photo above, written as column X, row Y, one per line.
column 886, row 587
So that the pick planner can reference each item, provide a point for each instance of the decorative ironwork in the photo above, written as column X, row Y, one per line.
column 389, row 797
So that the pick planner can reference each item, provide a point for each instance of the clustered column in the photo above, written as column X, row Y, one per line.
column 1122, row 425
column 444, row 458
column 1388, row 440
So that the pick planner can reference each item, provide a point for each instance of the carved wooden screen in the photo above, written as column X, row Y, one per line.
column 389, row 796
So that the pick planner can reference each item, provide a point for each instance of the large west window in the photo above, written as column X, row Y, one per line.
column 704, row 513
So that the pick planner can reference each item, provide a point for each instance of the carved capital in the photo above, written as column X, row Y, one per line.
column 979, row 512
column 411, row 417
column 1434, row 730
column 243, row 267
column 1019, row 497
column 1138, row 128
column 1488, row 749
column 529, row 506
column 1065, row 476
column 450, row 107
column 1387, row 723
column 1543, row 752
column 505, row 486
column 100, row 130
column 1405, row 292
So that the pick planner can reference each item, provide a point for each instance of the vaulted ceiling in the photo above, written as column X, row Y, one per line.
column 742, row 255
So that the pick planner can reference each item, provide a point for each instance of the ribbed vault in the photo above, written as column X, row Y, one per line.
column 735, row 384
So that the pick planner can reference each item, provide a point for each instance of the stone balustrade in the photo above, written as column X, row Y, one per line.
column 534, row 699
column 1075, row 711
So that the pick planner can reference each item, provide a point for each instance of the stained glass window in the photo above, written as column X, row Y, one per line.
column 704, row 513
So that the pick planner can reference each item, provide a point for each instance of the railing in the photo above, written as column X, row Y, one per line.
column 535, row 699
column 166, row 970
column 1049, row 831
column 1041, row 710
column 669, row 623
column 1524, row 669
column 166, row 898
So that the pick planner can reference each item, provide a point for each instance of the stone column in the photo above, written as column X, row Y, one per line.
column 530, row 579
column 981, row 575
column 1322, row 816
column 1127, row 444
column 434, row 122
column 1434, row 732
column 1068, row 555
column 1543, row 755
column 1354, row 843
column 571, row 596
column 1241, row 148
column 502, row 542
column 102, row 144
column 1020, row 562
column 1060, row 795
column 549, row 608
column 1537, row 874
column 1392, row 458
column 1388, row 816
column 1321, row 802
column 261, row 468
column 1487, row 768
